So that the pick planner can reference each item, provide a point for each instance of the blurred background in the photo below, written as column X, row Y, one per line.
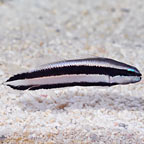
column 35, row 32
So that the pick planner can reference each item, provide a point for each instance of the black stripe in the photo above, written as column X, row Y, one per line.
column 31, row 87
column 73, row 70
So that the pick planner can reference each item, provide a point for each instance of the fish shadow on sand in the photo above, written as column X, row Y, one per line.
column 80, row 98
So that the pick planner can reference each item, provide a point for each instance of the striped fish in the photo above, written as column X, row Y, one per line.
column 80, row 72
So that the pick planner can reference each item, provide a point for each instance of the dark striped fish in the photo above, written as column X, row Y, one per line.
column 80, row 72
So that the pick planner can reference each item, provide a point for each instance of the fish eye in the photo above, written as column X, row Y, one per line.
column 131, row 70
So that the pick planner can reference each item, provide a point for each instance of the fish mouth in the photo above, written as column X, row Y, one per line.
column 139, row 74
column 136, row 79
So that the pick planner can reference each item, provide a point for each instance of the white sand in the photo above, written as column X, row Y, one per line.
column 36, row 32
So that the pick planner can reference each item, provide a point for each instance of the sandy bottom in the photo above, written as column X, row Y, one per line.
column 38, row 32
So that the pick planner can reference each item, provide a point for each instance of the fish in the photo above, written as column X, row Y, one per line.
column 96, row 71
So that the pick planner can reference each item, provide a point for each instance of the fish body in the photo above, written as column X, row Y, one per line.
column 79, row 72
